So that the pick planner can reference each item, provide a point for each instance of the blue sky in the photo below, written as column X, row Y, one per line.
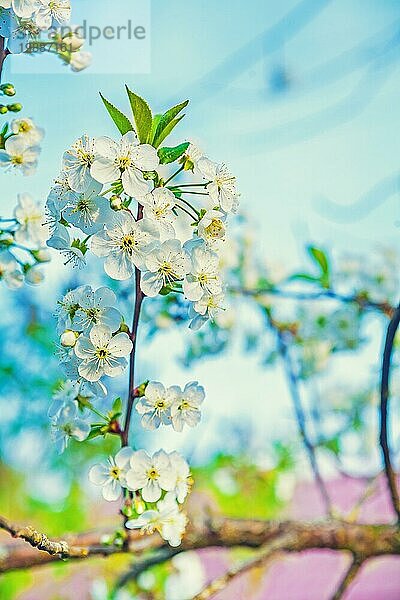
column 306, row 113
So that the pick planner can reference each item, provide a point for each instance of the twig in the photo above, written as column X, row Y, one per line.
column 383, row 438
column 300, row 415
column 139, row 296
column 143, row 564
column 4, row 52
column 348, row 578
column 267, row 555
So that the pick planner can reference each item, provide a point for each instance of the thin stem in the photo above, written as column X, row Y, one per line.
column 190, row 205
column 139, row 296
column 195, row 193
column 184, row 185
column 384, row 404
column 300, row 415
column 348, row 578
column 187, row 212
column 174, row 175
column 96, row 412
column 106, row 192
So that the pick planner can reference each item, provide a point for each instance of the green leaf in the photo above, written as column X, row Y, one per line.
column 165, row 133
column 167, row 122
column 320, row 258
column 117, row 406
column 142, row 115
column 122, row 122
column 95, row 431
column 169, row 155
column 154, row 125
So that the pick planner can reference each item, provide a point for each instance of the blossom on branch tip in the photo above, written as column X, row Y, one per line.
column 125, row 160
column 29, row 132
column 66, row 425
column 18, row 155
column 186, row 408
column 155, row 405
column 77, row 162
column 222, row 184
column 150, row 475
column 204, row 276
column 168, row 520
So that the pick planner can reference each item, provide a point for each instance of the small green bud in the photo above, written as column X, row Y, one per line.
column 3, row 109
column 16, row 107
column 8, row 89
column 124, row 328
column 116, row 202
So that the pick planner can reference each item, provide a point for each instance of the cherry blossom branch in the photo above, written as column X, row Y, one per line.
column 300, row 415
column 4, row 52
column 363, row 540
column 383, row 437
column 349, row 577
column 139, row 296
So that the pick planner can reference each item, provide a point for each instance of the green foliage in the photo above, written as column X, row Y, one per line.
column 320, row 258
column 142, row 115
column 167, row 122
column 169, row 155
column 122, row 122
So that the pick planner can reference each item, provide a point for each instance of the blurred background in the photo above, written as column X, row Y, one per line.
column 300, row 99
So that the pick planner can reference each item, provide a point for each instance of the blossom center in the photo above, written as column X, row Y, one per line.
column 102, row 353
column 128, row 242
column 124, row 162
column 215, row 229
column 153, row 474
column 17, row 159
column 115, row 472
column 24, row 127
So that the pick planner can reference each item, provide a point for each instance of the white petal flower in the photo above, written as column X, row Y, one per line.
column 158, row 207
column 77, row 162
column 124, row 243
column 208, row 307
column 168, row 520
column 164, row 266
column 26, row 128
column 9, row 271
column 125, row 160
column 60, row 240
column 204, row 276
column 68, row 306
column 111, row 475
column 25, row 8
column 17, row 155
column 67, row 424
column 212, row 227
column 222, row 184
column 183, row 480
column 151, row 475
column 80, row 60
column 102, row 353
column 186, row 408
column 156, row 404
column 30, row 216
column 192, row 156
column 88, row 210
column 96, row 308
column 49, row 10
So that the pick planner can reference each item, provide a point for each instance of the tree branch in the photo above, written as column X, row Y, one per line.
column 4, row 52
column 383, row 438
column 361, row 540
column 348, row 578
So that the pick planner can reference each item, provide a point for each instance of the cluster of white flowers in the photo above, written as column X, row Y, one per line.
column 162, row 481
column 150, row 241
column 22, row 244
column 23, row 23
column 170, row 406
column 21, row 146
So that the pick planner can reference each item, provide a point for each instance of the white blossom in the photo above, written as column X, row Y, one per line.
column 183, row 480
column 186, row 408
column 111, row 475
column 168, row 520
column 102, row 353
column 125, row 160
column 88, row 210
column 23, row 8
column 207, row 307
column 77, row 162
column 49, row 10
column 31, row 219
column 80, row 60
column 158, row 206
column 155, row 405
column 29, row 132
column 68, row 306
column 167, row 264
column 204, row 276
column 124, row 244
column 151, row 475
column 96, row 308
column 9, row 271
column 66, row 425
column 60, row 240
column 212, row 227
column 17, row 155
column 221, row 185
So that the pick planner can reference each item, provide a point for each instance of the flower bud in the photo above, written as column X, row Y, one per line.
column 16, row 107
column 8, row 89
column 73, row 41
column 68, row 338
column 34, row 276
column 116, row 202
column 3, row 109
column 42, row 255
column 139, row 505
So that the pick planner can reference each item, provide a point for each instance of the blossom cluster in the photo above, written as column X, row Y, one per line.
column 22, row 244
column 23, row 23
column 172, row 253
column 160, row 482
